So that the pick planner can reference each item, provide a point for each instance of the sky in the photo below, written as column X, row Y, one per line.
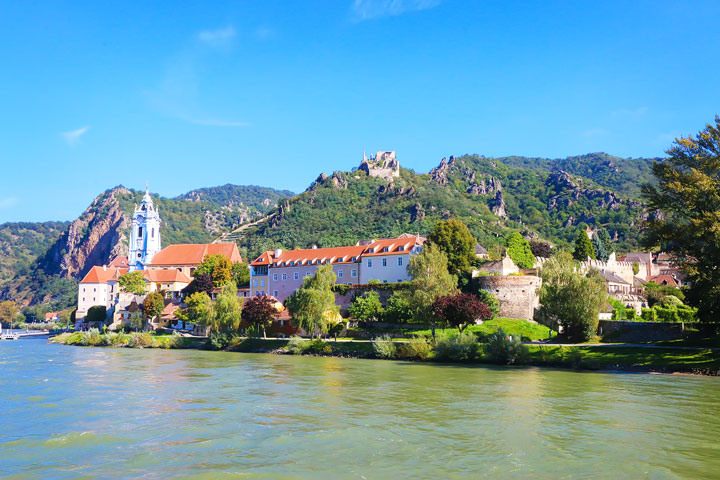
column 193, row 94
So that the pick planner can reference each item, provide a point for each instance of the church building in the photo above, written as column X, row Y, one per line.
column 144, row 234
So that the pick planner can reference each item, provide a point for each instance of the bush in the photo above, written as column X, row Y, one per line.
column 506, row 349
column 398, row 309
column 140, row 340
column 319, row 347
column 630, row 314
column 384, row 347
column 92, row 337
column 173, row 341
column 649, row 315
column 297, row 345
column 221, row 340
column 417, row 348
column 460, row 348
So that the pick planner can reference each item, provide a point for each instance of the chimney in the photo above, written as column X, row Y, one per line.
column 278, row 252
column 314, row 247
column 104, row 268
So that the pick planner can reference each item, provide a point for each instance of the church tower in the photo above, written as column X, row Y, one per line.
column 144, row 234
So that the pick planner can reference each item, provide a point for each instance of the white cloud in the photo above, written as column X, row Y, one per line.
column 8, row 202
column 217, row 38
column 73, row 136
column 594, row 132
column 367, row 9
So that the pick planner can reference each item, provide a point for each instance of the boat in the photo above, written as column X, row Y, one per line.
column 8, row 334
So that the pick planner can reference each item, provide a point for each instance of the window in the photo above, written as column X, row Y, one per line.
column 307, row 274
column 275, row 293
column 255, row 283
column 340, row 273
column 140, row 232
column 275, row 277
column 284, row 277
column 369, row 263
column 262, row 282
column 384, row 262
column 152, row 233
column 83, row 289
column 399, row 261
column 353, row 273
column 296, row 276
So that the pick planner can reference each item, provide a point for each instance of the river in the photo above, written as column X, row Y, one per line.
column 68, row 412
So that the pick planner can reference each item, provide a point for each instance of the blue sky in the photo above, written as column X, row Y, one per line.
column 96, row 94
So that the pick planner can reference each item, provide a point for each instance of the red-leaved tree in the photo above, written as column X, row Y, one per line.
column 259, row 312
column 461, row 310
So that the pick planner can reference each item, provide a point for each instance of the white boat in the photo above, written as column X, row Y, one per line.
column 8, row 334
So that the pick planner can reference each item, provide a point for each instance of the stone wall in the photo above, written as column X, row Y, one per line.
column 344, row 300
column 517, row 294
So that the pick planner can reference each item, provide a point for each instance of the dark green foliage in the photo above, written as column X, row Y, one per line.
column 504, row 349
column 686, row 194
column 606, row 241
column 241, row 274
column 489, row 300
column 656, row 294
column 583, row 247
column 540, row 248
column 153, row 305
column 601, row 252
column 519, row 250
column 398, row 309
column 367, row 307
column 261, row 198
column 96, row 314
column 453, row 237
column 460, row 348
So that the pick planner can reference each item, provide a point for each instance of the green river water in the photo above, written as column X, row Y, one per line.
column 78, row 412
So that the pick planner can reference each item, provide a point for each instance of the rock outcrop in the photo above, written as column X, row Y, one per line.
column 497, row 205
column 382, row 165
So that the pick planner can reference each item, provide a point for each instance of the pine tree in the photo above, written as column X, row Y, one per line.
column 599, row 247
column 606, row 241
column 583, row 247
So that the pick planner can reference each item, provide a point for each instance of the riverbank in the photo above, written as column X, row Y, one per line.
column 698, row 361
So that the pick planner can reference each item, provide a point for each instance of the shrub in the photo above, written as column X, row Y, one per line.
column 630, row 314
column 417, row 348
column 221, row 340
column 92, row 337
column 398, row 309
column 140, row 340
column 384, row 347
column 320, row 347
column 119, row 340
column 505, row 349
column 460, row 348
column 297, row 345
column 649, row 315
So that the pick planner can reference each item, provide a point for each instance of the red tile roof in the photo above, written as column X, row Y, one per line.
column 337, row 255
column 664, row 280
column 166, row 276
column 194, row 253
column 310, row 256
column 103, row 274
column 119, row 262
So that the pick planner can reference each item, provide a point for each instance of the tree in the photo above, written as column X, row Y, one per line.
column 461, row 310
column 583, row 247
column 606, row 241
column 686, row 218
column 398, row 308
column 8, row 311
column 96, row 314
column 601, row 252
column 518, row 249
column 570, row 298
column 218, row 267
column 636, row 268
column 241, row 274
column 153, row 305
column 227, row 311
column 137, row 322
column 540, row 248
column 201, row 283
column 367, row 307
column 430, row 279
column 260, row 312
column 199, row 309
column 312, row 306
column 489, row 299
column 132, row 282
column 455, row 240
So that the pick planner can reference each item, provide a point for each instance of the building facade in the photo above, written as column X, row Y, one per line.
column 279, row 273
column 186, row 257
column 144, row 234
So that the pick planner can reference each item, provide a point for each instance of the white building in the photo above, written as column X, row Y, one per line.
column 98, row 287
column 144, row 234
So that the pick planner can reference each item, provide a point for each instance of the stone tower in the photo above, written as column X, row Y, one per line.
column 144, row 234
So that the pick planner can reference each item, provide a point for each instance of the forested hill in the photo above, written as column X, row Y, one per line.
column 494, row 196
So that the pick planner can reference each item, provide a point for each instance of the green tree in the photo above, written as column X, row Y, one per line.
column 455, row 240
column 430, row 279
column 153, row 305
column 218, row 267
column 312, row 306
column 606, row 241
column 8, row 311
column 241, row 274
column 398, row 308
column 519, row 250
column 227, row 312
column 132, row 282
column 687, row 196
column 96, row 314
column 137, row 322
column 367, row 307
column 570, row 298
column 199, row 309
column 601, row 252
column 583, row 247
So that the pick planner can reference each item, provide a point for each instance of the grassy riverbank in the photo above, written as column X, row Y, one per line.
column 641, row 359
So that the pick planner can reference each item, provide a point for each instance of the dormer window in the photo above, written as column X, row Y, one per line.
column 386, row 249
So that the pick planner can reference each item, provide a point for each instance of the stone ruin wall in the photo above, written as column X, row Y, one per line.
column 517, row 294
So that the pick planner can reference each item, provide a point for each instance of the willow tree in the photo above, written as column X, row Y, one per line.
column 686, row 218
column 312, row 306
column 430, row 280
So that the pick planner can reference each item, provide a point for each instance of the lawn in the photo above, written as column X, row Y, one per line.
column 511, row 326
